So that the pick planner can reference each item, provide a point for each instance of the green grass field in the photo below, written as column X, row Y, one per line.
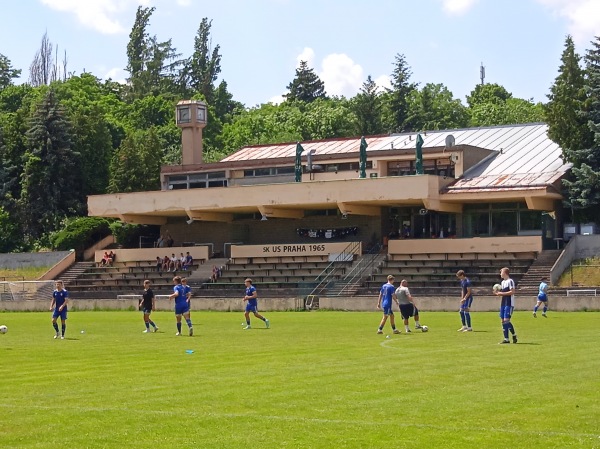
column 314, row 380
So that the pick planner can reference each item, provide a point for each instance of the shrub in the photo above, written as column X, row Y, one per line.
column 80, row 233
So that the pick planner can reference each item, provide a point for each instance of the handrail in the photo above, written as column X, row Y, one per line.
column 358, row 271
column 330, row 272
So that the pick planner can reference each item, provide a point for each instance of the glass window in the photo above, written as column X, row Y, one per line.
column 197, row 184
column 476, row 224
column 530, row 220
column 504, row 223
column 216, row 175
column 285, row 170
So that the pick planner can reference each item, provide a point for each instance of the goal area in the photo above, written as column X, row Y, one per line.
column 26, row 290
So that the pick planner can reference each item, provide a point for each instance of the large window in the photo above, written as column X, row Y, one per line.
column 500, row 219
column 268, row 171
column 437, row 167
column 197, row 181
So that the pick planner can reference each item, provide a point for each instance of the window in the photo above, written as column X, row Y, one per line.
column 197, row 181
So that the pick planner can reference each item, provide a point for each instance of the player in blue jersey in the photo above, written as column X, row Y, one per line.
column 60, row 300
column 188, row 292
column 182, row 305
column 386, row 296
column 507, row 305
column 147, row 305
column 466, row 299
column 251, row 298
column 542, row 298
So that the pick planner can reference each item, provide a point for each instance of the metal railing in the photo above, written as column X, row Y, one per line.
column 357, row 273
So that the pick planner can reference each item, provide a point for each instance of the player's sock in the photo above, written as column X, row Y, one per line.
column 147, row 325
column 417, row 324
column 462, row 318
column 64, row 328
column 55, row 326
column 263, row 318
column 247, row 322
column 393, row 327
column 407, row 328
column 189, row 322
column 545, row 309
column 511, row 328
column 152, row 324
column 179, row 327
column 535, row 308
column 505, row 327
column 468, row 318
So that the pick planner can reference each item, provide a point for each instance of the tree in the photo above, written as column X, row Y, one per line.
column 584, row 184
column 205, row 63
column 135, row 167
column 488, row 93
column 434, row 107
column 45, row 68
column 567, row 126
column 367, row 106
column 306, row 85
column 511, row 112
column 50, row 183
column 397, row 97
column 7, row 73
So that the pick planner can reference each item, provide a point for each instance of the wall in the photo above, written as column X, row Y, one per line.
column 57, row 269
column 88, row 254
column 20, row 260
column 365, row 304
column 303, row 249
column 470, row 245
column 579, row 247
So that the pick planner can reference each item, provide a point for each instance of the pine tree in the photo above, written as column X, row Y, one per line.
column 584, row 185
column 567, row 125
column 7, row 73
column 51, row 179
column 367, row 106
column 398, row 95
column 306, row 86
column 205, row 63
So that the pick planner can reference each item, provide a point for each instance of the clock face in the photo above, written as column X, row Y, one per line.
column 201, row 114
column 184, row 115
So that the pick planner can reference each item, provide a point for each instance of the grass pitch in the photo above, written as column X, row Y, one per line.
column 314, row 380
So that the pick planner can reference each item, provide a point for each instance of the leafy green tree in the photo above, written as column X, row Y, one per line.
column 7, row 73
column 584, row 184
column 9, row 232
column 327, row 118
column 306, row 85
column 434, row 107
column 51, row 181
column 488, row 93
column 512, row 111
column 135, row 167
column 367, row 106
column 397, row 98
column 205, row 63
column 567, row 125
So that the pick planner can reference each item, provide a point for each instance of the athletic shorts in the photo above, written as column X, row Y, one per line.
column 506, row 312
column 146, row 311
column 408, row 310
column 180, row 310
column 387, row 310
column 62, row 314
column 543, row 297
column 467, row 303
column 251, row 308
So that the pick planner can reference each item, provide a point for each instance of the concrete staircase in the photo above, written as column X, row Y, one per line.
column 539, row 268
column 74, row 271
column 204, row 271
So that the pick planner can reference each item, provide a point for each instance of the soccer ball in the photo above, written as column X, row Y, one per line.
column 424, row 329
column 496, row 288
column 3, row 329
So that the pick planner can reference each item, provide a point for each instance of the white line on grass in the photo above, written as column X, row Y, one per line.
column 313, row 420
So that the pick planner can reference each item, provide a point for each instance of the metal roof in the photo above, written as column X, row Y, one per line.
column 520, row 150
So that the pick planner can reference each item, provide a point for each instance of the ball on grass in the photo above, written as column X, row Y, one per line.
column 3, row 329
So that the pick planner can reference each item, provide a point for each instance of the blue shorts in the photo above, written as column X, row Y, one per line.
column 467, row 303
column 543, row 297
column 387, row 310
column 181, row 309
column 251, row 308
column 506, row 312
column 62, row 314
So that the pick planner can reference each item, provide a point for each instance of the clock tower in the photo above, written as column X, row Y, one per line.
column 190, row 116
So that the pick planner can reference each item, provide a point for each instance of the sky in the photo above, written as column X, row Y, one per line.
column 519, row 42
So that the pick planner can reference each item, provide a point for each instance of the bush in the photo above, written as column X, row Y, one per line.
column 80, row 233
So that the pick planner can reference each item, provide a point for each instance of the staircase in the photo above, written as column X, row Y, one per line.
column 74, row 271
column 539, row 268
column 204, row 272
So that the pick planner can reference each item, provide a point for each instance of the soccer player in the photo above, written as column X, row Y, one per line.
column 386, row 295
column 251, row 296
column 182, row 305
column 507, row 305
column 147, row 305
column 466, row 299
column 407, row 305
column 542, row 298
column 60, row 300
column 188, row 292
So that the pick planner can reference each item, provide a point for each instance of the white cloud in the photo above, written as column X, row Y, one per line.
column 458, row 7
column 341, row 75
column 307, row 55
column 277, row 99
column 116, row 74
column 383, row 82
column 99, row 15
column 583, row 16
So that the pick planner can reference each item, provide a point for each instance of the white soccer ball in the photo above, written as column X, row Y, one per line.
column 3, row 329
column 424, row 329
column 496, row 288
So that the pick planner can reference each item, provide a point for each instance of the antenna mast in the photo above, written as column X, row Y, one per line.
column 482, row 73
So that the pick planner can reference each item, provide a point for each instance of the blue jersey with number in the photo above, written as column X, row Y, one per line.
column 60, row 296
column 387, row 290
column 249, row 292
column 180, row 299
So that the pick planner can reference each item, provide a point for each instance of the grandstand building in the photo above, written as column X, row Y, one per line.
column 488, row 190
